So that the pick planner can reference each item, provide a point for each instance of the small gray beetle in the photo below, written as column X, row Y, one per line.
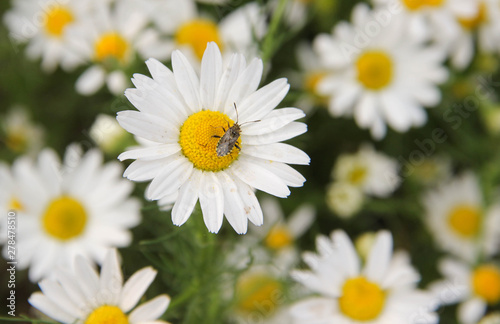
column 228, row 141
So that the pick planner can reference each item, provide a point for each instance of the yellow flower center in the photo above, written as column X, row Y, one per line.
column 312, row 80
column 486, row 283
column 57, row 19
column 16, row 141
column 64, row 218
column 197, row 33
column 480, row 18
column 15, row 204
column 258, row 292
column 357, row 175
column 111, row 45
column 199, row 144
column 374, row 69
column 278, row 237
column 465, row 220
column 107, row 315
column 414, row 5
column 361, row 299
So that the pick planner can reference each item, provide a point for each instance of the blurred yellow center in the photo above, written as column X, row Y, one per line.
column 257, row 292
column 361, row 299
column 473, row 22
column 64, row 218
column 465, row 220
column 15, row 204
column 312, row 80
column 107, row 315
column 56, row 19
column 486, row 283
column 414, row 5
column 16, row 141
column 197, row 33
column 278, row 237
column 199, row 144
column 357, row 175
column 111, row 45
column 374, row 69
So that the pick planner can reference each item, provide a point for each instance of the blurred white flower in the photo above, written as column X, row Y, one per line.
column 110, row 38
column 107, row 133
column 44, row 24
column 80, row 207
column 459, row 220
column 21, row 135
column 344, row 199
column 492, row 318
column 81, row 295
column 474, row 287
column 374, row 173
column 382, row 291
column 184, row 116
column 379, row 75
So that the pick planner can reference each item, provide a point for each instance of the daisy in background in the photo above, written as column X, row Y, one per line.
column 344, row 199
column 374, row 173
column 108, row 135
column 379, row 75
column 190, row 30
column 82, row 296
column 484, row 24
column 473, row 287
column 492, row 318
column 110, row 39
column 185, row 115
column 44, row 24
column 382, row 290
column 80, row 207
column 460, row 221
column 20, row 134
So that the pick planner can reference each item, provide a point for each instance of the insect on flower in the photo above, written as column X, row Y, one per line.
column 228, row 141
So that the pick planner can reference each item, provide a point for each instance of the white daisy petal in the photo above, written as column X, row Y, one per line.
column 275, row 120
column 41, row 302
column 188, row 196
column 262, row 101
column 187, row 81
column 90, row 81
column 471, row 311
column 147, row 126
column 211, row 71
column 111, row 279
column 228, row 78
column 134, row 288
column 380, row 256
column 234, row 208
column 251, row 204
column 170, row 179
column 286, row 132
column 54, row 292
column 155, row 152
column 278, row 152
column 211, row 201
column 150, row 310
column 89, row 284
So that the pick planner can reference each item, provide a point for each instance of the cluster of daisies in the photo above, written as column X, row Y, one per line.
column 207, row 137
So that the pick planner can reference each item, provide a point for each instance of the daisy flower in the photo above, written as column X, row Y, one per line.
column 108, row 135
column 485, row 23
column 186, row 116
column 372, row 172
column 82, row 207
column 190, row 30
column 21, row 135
column 44, row 24
column 344, row 199
column 82, row 296
column 459, row 220
column 492, row 318
column 428, row 19
column 379, row 75
column 109, row 39
column 382, row 291
column 474, row 287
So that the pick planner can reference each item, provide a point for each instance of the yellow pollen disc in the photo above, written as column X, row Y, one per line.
column 64, row 218
column 480, row 18
column 198, row 144
column 258, row 292
column 111, row 45
column 413, row 4
column 197, row 33
column 361, row 299
column 107, row 315
column 312, row 80
column 465, row 220
column 357, row 175
column 486, row 283
column 278, row 237
column 15, row 204
column 374, row 69
column 16, row 141
column 57, row 19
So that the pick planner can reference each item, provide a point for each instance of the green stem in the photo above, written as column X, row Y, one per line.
column 268, row 44
column 25, row 319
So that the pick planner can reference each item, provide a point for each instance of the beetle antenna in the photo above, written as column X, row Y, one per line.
column 237, row 117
